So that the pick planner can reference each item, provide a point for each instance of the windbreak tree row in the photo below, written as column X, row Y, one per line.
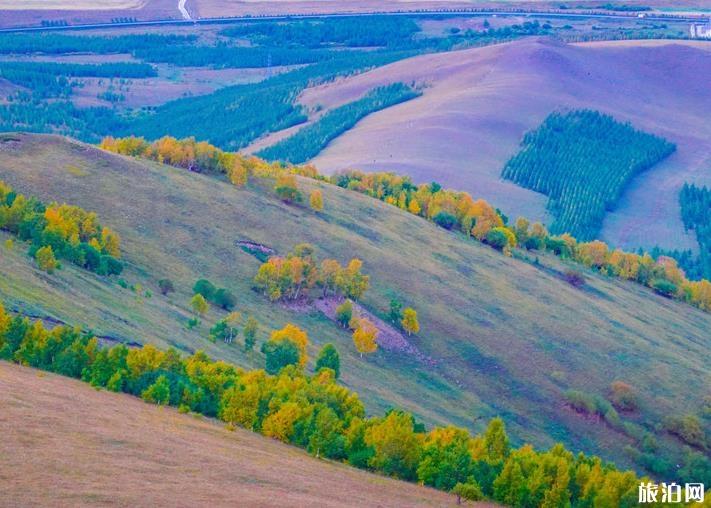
column 310, row 140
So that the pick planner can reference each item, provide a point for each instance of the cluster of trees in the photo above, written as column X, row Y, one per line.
column 201, row 157
column 294, row 276
column 310, row 140
column 696, row 215
column 26, row 112
column 232, row 117
column 60, row 232
column 345, row 31
column 458, row 211
column 325, row 418
column 222, row 297
column 50, row 79
column 55, row 44
column 582, row 160
column 224, row 56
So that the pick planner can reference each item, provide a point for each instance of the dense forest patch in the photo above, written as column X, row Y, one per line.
column 696, row 214
column 309, row 141
column 583, row 160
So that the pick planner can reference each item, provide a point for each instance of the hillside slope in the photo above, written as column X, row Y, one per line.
column 478, row 103
column 94, row 448
column 505, row 337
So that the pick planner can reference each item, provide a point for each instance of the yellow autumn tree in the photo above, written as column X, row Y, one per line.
column 199, row 305
column 365, row 336
column 237, row 174
column 45, row 259
column 409, row 321
column 316, row 200
column 295, row 335
column 280, row 425
column 414, row 207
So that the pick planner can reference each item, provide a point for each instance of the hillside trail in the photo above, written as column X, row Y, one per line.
column 183, row 10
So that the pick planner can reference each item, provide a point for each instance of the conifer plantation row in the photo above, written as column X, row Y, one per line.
column 310, row 140
column 582, row 160
column 316, row 413
column 696, row 215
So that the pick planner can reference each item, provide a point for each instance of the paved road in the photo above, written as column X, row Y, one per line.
column 443, row 12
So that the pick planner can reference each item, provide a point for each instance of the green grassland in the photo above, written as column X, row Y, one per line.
column 508, row 336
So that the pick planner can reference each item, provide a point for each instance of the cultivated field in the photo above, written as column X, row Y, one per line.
column 73, row 5
column 67, row 444
column 478, row 103
column 506, row 337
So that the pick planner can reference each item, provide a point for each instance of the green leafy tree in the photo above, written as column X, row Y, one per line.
column 250, row 333
column 158, row 392
column 199, row 305
column 205, row 288
column 329, row 358
column 344, row 313
column 280, row 354
column 395, row 313
column 45, row 259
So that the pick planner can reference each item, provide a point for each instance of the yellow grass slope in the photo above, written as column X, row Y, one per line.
column 67, row 444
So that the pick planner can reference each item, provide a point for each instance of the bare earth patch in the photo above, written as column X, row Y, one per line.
column 389, row 338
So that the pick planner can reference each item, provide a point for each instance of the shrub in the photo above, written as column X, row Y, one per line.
column 664, row 287
column 575, row 278
column 623, row 396
column 688, row 428
column 469, row 491
column 224, row 298
column 166, row 286
column 205, row 288
column 445, row 219
column 498, row 238
column 344, row 313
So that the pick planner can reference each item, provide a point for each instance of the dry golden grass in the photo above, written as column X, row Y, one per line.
column 66, row 444
column 70, row 5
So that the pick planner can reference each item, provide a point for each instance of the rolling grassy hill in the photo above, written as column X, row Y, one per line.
column 123, row 452
column 478, row 103
column 506, row 337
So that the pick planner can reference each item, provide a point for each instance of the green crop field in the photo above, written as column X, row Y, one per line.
column 500, row 335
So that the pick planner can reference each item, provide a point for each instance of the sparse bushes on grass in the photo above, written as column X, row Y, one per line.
column 477, row 218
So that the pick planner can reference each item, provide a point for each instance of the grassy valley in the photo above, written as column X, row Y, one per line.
column 501, row 346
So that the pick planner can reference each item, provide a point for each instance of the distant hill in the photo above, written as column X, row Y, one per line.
column 499, row 335
column 102, row 448
column 478, row 103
